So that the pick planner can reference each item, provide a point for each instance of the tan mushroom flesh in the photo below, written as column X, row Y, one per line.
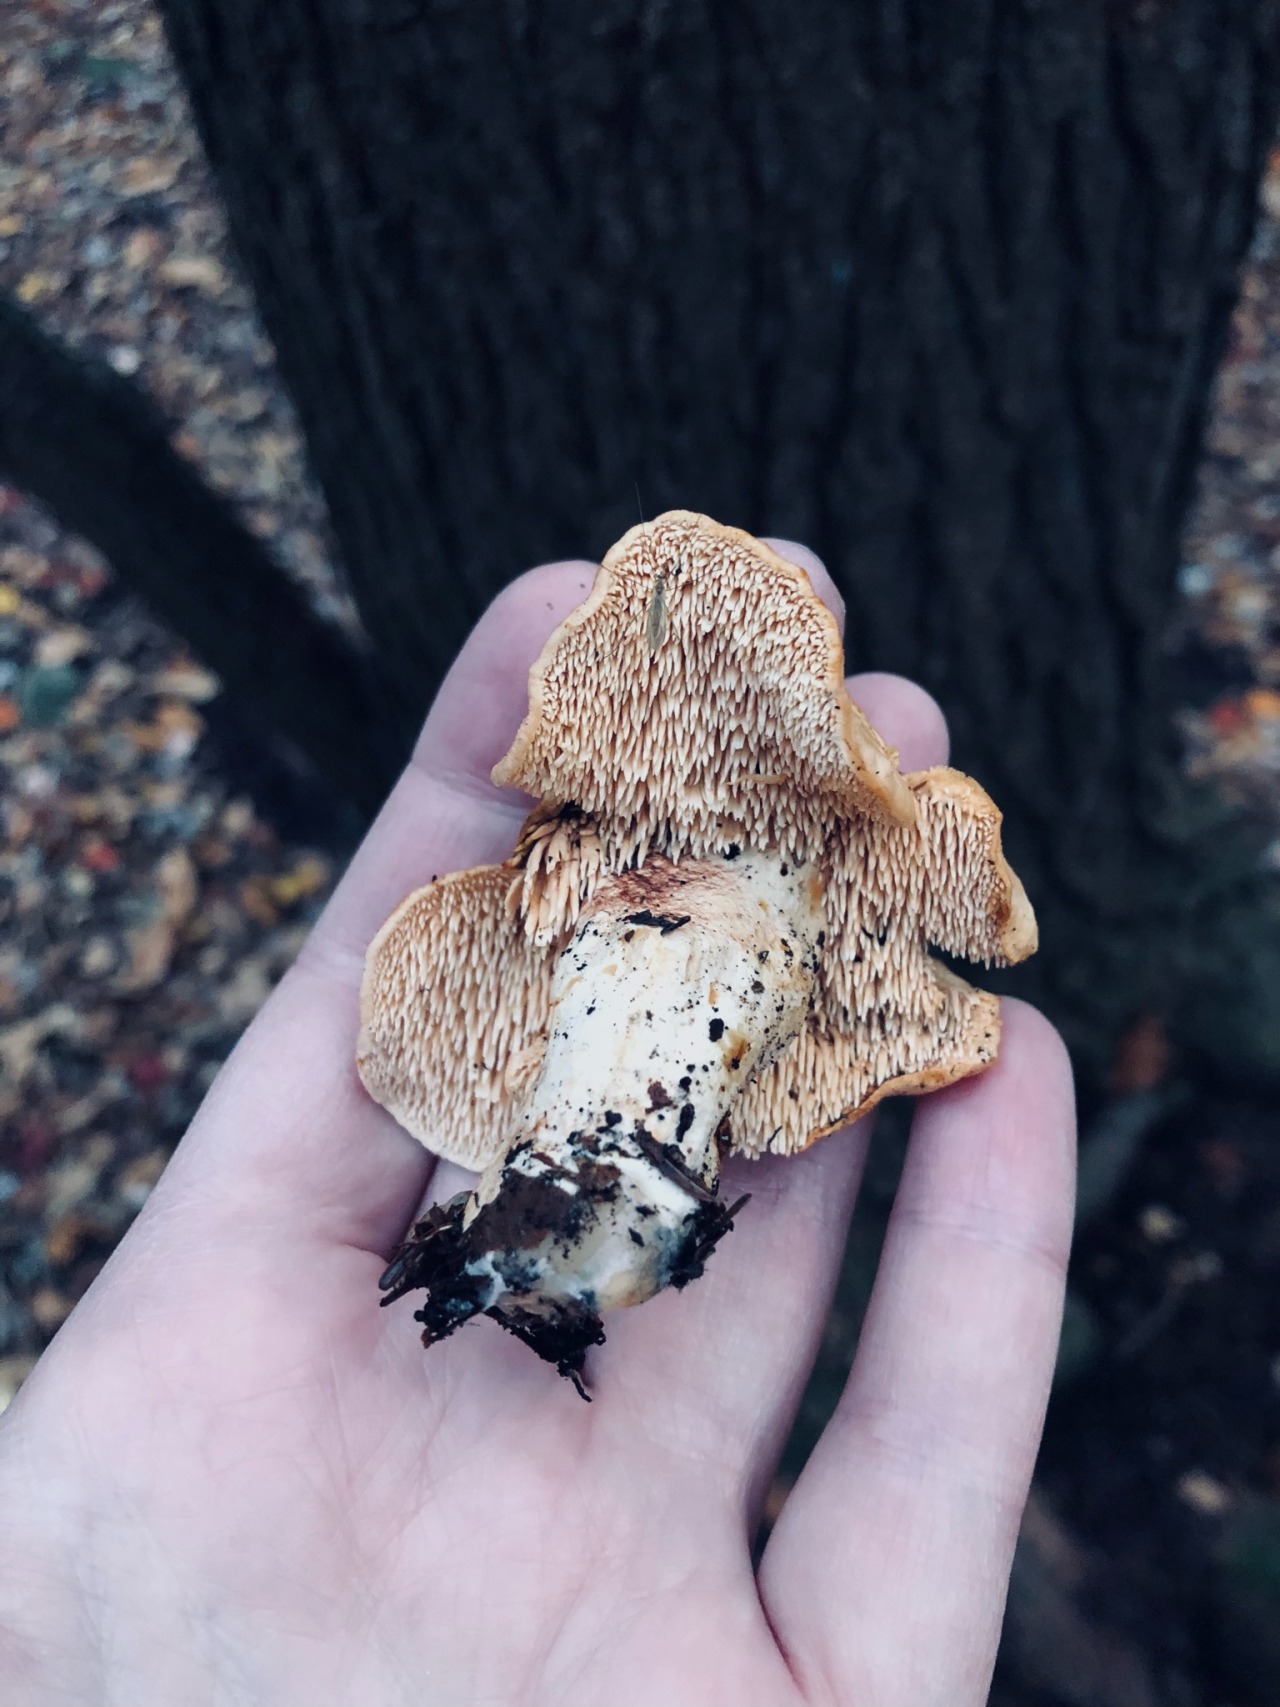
column 712, row 935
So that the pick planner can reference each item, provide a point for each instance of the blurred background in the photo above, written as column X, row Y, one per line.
column 319, row 322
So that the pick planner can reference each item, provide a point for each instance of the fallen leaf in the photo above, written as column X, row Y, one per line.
column 86, row 1109
column 61, row 646
column 187, row 681
column 149, row 948
column 1160, row 1226
column 142, row 248
column 99, row 856
column 256, row 899
column 68, row 1236
column 36, row 285
column 174, row 729
column 306, row 878
column 198, row 272
column 20, row 1044
column 176, row 884
column 149, row 175
column 237, row 818
column 73, row 1179
column 50, row 1309
column 1203, row 1493
column 240, row 998
column 28, row 568
column 97, row 957
column 148, row 1072
column 138, row 1180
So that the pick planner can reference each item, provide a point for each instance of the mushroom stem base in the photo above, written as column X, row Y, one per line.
column 449, row 1260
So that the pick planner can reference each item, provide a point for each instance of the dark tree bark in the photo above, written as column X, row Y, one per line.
column 90, row 446
column 938, row 289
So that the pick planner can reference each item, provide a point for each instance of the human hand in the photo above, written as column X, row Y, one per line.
column 232, row 1478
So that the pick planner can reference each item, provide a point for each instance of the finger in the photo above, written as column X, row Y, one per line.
column 725, row 1362
column 819, row 575
column 913, row 723
column 886, row 1574
column 919, row 728
column 288, row 1134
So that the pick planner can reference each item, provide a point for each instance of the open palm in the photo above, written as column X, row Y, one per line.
column 232, row 1479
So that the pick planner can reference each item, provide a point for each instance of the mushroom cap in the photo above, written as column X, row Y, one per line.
column 454, row 1007
column 734, row 728
column 723, row 718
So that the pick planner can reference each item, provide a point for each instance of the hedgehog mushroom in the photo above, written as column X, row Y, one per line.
column 712, row 936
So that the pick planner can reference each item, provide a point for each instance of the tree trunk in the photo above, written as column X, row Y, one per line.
column 938, row 290
column 90, row 446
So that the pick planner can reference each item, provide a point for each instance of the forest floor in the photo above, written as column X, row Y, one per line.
column 154, row 884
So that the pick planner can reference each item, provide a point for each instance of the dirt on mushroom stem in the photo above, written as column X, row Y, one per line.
column 680, row 982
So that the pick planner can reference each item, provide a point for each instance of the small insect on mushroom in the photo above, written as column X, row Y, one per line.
column 712, row 936
column 655, row 618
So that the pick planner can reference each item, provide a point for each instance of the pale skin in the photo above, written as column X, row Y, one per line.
column 233, row 1479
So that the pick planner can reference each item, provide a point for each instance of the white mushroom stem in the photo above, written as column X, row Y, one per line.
column 680, row 982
